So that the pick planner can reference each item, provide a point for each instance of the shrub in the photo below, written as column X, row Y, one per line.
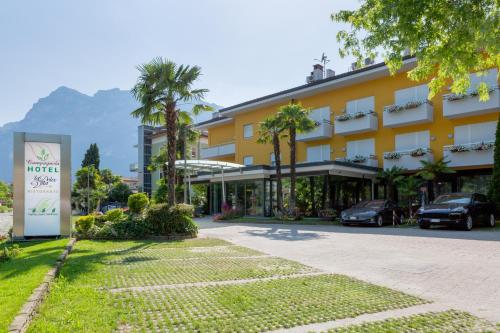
column 4, row 209
column 164, row 220
column 137, row 203
column 9, row 252
column 84, row 223
column 288, row 215
column 327, row 214
column 114, row 215
column 228, row 213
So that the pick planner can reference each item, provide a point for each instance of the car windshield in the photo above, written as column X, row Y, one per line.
column 453, row 199
column 370, row 204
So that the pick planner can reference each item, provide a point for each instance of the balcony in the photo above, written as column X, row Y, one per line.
column 410, row 113
column 322, row 131
column 356, row 123
column 408, row 159
column 227, row 149
column 455, row 106
column 134, row 167
column 471, row 154
column 370, row 160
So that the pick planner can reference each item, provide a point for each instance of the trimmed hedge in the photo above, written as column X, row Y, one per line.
column 165, row 220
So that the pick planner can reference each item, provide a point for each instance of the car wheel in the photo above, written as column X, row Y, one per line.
column 492, row 221
column 469, row 223
column 380, row 221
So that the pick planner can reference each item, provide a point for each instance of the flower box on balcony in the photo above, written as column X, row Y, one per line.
column 455, row 106
column 358, row 122
column 408, row 159
column 414, row 112
column 370, row 160
column 471, row 154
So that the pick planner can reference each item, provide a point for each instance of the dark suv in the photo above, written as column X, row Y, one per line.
column 464, row 210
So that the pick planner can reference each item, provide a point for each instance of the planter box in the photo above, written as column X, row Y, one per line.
column 422, row 114
column 408, row 162
column 471, row 106
column 468, row 158
column 371, row 162
column 353, row 126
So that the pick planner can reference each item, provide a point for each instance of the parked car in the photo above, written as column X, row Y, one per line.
column 373, row 212
column 464, row 210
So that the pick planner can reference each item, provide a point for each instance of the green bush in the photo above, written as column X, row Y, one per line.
column 114, row 215
column 4, row 209
column 164, row 220
column 9, row 252
column 137, row 203
column 84, row 223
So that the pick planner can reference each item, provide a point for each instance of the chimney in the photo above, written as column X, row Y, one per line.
column 330, row 73
column 316, row 74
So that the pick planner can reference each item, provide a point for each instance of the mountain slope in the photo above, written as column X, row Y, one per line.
column 103, row 118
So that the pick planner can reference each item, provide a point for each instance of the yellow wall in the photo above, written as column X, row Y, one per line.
column 383, row 89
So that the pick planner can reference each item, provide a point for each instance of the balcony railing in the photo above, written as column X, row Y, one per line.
column 407, row 159
column 360, row 122
column 218, row 151
column 322, row 131
column 470, row 154
column 455, row 106
column 410, row 113
column 134, row 167
column 370, row 160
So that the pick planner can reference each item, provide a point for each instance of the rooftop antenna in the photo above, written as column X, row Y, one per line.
column 324, row 60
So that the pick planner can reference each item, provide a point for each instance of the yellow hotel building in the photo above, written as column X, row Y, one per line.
column 368, row 120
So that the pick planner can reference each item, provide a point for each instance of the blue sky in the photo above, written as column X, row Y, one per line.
column 246, row 48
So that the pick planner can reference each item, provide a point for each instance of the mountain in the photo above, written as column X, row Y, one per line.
column 103, row 118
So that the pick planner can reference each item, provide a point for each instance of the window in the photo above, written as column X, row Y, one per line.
column 320, row 114
column 360, row 105
column 361, row 148
column 318, row 153
column 475, row 133
column 418, row 93
column 247, row 131
column 248, row 160
column 410, row 141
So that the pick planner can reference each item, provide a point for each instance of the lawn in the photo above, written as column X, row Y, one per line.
column 82, row 299
column 451, row 321
column 24, row 273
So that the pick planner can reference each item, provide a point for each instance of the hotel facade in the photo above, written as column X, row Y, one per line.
column 367, row 120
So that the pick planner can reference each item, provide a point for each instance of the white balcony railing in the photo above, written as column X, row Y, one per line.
column 218, row 151
column 356, row 123
column 455, row 106
column 470, row 154
column 324, row 130
column 408, row 114
column 370, row 160
column 407, row 159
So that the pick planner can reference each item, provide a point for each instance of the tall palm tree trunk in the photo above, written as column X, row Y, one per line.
column 277, row 159
column 292, row 167
column 171, row 124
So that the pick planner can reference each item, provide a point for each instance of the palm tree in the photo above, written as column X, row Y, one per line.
column 408, row 187
column 270, row 132
column 294, row 118
column 432, row 171
column 161, row 87
column 390, row 177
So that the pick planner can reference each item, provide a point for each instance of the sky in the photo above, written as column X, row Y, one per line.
column 246, row 49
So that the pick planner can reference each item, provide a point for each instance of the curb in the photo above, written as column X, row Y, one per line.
column 25, row 315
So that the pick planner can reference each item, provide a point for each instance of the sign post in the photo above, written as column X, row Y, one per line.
column 42, row 185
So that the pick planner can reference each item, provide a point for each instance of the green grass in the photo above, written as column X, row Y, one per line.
column 81, row 302
column 24, row 273
column 451, row 321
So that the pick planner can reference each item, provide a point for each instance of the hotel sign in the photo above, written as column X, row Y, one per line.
column 42, row 180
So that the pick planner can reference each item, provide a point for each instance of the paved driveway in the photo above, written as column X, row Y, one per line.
column 5, row 222
column 459, row 269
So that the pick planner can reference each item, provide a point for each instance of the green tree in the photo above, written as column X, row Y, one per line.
column 408, row 188
column 92, row 156
column 390, row 177
column 494, row 190
column 161, row 87
column 295, row 119
column 119, row 193
column 5, row 194
column 109, row 178
column 448, row 38
column 88, row 185
column 270, row 131
column 432, row 171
